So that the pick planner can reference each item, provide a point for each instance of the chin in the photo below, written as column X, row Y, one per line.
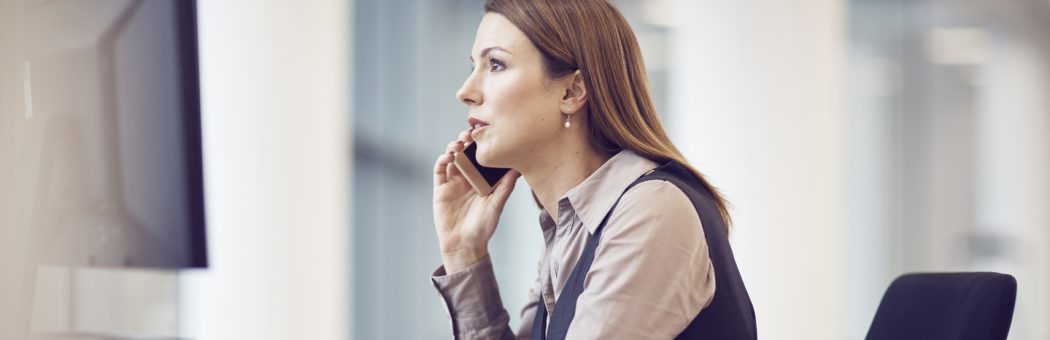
column 486, row 159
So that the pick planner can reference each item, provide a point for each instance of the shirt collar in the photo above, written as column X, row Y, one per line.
column 591, row 199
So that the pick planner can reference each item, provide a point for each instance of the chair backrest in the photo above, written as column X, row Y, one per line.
column 978, row 306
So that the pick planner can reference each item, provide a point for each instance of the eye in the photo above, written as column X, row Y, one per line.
column 497, row 65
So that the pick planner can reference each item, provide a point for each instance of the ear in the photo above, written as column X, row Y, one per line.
column 575, row 94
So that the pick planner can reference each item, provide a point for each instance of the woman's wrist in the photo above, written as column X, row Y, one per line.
column 456, row 260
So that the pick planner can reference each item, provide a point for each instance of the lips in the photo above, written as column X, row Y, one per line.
column 476, row 126
column 476, row 123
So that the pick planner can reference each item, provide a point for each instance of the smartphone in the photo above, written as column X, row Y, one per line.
column 483, row 179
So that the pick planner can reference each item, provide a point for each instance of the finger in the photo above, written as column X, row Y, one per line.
column 506, row 185
column 451, row 170
column 457, row 146
column 440, row 177
column 465, row 136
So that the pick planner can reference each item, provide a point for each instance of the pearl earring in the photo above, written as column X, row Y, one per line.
column 567, row 121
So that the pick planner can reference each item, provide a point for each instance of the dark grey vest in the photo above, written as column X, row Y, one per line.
column 730, row 314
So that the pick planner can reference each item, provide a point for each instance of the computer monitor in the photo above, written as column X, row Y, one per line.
column 109, row 159
column 100, row 164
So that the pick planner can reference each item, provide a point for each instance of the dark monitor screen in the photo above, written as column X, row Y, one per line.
column 109, row 136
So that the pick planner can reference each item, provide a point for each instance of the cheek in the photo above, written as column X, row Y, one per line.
column 526, row 114
column 523, row 104
column 510, row 92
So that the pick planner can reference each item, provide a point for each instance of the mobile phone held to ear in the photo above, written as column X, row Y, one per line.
column 483, row 179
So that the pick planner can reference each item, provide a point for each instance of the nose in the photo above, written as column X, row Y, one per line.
column 469, row 93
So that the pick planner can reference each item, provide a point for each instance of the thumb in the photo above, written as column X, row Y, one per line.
column 505, row 185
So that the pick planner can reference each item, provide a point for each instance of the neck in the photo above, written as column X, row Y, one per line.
column 558, row 172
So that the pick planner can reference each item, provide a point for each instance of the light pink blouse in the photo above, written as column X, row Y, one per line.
column 650, row 277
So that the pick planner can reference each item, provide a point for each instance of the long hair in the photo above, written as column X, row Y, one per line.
column 593, row 37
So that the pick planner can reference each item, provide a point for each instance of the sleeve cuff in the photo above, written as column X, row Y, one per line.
column 471, row 298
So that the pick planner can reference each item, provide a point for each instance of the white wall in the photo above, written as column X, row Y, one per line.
column 1013, row 136
column 275, row 87
column 755, row 104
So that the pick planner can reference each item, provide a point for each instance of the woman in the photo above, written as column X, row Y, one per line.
column 558, row 94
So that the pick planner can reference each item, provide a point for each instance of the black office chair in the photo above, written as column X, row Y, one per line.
column 977, row 306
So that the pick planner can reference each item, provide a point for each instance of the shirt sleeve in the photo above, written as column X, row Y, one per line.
column 473, row 302
column 651, row 274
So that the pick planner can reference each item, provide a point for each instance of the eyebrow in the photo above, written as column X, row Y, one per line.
column 485, row 52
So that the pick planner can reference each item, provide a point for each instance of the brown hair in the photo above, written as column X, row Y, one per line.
column 593, row 37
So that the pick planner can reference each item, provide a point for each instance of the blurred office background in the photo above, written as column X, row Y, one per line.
column 857, row 140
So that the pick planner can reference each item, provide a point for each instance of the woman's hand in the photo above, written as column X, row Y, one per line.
column 463, row 219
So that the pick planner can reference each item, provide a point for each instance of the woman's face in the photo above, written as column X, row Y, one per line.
column 508, row 90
